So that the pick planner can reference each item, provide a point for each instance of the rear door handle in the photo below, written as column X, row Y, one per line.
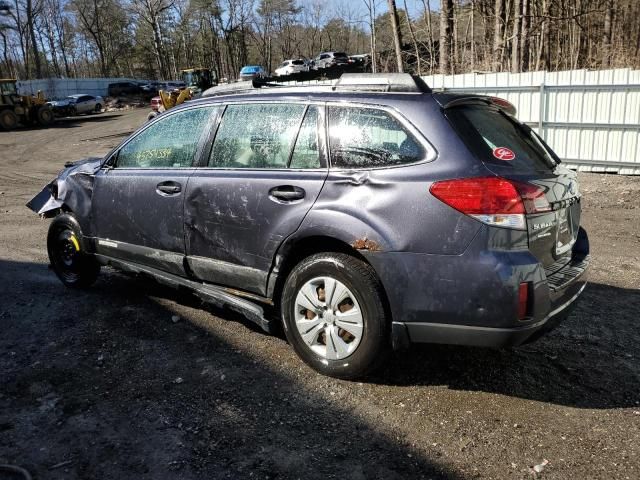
column 286, row 193
column 168, row 188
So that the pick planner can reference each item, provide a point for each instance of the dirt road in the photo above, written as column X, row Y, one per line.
column 104, row 384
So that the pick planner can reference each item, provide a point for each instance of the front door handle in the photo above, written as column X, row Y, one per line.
column 168, row 188
column 286, row 193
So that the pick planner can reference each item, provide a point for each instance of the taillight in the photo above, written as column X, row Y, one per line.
column 492, row 200
column 533, row 197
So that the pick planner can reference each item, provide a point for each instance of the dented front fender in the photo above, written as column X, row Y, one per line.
column 71, row 190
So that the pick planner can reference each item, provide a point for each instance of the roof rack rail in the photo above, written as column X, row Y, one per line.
column 382, row 82
column 347, row 82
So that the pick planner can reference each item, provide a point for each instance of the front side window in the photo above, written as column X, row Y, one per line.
column 170, row 142
column 256, row 136
column 369, row 137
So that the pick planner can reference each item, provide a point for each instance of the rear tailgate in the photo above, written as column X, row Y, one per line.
column 513, row 151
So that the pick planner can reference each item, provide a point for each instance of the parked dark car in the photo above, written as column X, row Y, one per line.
column 249, row 72
column 330, row 60
column 124, row 88
column 364, row 216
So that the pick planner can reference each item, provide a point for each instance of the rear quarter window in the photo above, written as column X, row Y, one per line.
column 368, row 138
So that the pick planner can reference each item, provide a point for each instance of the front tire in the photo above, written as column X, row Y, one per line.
column 334, row 317
column 8, row 119
column 74, row 267
column 44, row 116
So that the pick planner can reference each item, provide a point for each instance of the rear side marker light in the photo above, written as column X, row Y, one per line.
column 523, row 300
column 492, row 200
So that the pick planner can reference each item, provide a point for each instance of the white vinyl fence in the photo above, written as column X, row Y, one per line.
column 56, row 88
column 590, row 118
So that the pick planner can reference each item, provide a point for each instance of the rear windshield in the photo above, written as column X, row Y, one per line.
column 499, row 140
column 298, row 62
column 340, row 55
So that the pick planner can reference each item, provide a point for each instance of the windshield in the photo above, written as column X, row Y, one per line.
column 500, row 140
column 8, row 88
column 191, row 78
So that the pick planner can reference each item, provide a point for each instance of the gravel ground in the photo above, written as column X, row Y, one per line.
column 132, row 380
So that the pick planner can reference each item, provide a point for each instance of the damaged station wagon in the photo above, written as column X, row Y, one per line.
column 365, row 216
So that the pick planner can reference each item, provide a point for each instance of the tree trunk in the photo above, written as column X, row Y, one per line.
column 498, row 32
column 543, row 45
column 427, row 14
column 606, row 35
column 524, row 36
column 515, row 45
column 32, row 35
column 446, row 9
column 473, row 38
column 413, row 38
column 371, row 8
column 397, row 36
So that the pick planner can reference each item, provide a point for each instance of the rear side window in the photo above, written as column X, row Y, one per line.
column 170, row 142
column 297, row 62
column 368, row 137
column 499, row 140
column 256, row 136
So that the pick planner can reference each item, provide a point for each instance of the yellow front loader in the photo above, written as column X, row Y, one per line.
column 176, row 97
column 25, row 109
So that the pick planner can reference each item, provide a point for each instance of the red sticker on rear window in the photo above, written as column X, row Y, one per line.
column 503, row 153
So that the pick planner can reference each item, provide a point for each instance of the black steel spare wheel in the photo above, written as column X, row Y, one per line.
column 73, row 267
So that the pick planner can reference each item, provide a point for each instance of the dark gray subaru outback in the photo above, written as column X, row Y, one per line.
column 366, row 216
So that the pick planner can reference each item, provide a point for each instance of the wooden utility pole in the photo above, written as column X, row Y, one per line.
column 397, row 36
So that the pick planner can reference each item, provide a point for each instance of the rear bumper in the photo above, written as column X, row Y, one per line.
column 472, row 299
column 419, row 332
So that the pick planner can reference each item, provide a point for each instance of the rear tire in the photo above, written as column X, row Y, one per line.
column 8, row 119
column 98, row 108
column 74, row 267
column 346, row 335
